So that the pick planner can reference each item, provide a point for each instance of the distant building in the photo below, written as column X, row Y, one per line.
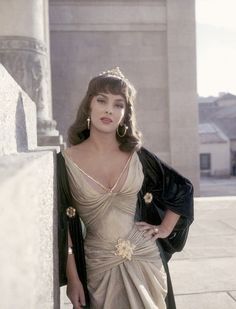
column 214, row 151
column 217, row 135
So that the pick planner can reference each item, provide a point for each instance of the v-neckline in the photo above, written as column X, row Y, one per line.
column 106, row 190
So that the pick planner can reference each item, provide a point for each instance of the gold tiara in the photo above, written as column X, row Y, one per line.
column 114, row 72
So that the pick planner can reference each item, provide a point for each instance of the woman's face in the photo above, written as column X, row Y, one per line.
column 107, row 112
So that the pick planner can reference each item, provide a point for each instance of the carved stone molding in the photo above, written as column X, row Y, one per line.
column 46, row 126
column 26, row 60
column 22, row 43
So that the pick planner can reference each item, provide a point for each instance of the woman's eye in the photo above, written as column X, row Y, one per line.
column 100, row 100
column 120, row 105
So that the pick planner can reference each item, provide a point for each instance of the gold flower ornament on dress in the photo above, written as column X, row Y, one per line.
column 148, row 198
column 125, row 249
column 71, row 212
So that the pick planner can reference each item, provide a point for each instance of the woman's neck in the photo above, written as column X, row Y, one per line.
column 103, row 142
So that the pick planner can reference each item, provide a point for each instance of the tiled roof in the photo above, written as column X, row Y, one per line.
column 207, row 99
column 226, row 96
column 209, row 133
column 223, row 116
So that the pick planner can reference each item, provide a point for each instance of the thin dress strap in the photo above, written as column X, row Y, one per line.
column 97, row 182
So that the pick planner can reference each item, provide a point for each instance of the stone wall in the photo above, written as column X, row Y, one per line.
column 17, row 117
column 28, row 255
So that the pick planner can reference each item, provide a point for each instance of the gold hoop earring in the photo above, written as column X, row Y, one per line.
column 125, row 129
column 88, row 122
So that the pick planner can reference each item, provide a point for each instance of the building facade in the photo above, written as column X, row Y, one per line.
column 214, row 151
column 217, row 135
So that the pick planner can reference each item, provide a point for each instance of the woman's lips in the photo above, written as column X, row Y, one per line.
column 106, row 120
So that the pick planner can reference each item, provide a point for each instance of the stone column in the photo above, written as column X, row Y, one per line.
column 183, row 108
column 24, row 51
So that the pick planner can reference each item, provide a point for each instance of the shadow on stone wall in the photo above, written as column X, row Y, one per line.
column 20, row 128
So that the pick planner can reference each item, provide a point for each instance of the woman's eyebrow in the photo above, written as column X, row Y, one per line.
column 120, row 100
column 105, row 96
column 102, row 95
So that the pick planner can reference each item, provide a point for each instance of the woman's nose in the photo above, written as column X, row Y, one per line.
column 108, row 111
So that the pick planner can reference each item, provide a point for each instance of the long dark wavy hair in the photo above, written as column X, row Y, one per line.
column 106, row 83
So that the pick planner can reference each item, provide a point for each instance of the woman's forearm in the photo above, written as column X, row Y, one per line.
column 71, row 270
column 159, row 231
column 169, row 221
column 74, row 290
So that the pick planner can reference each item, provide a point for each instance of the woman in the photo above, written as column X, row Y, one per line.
column 136, row 210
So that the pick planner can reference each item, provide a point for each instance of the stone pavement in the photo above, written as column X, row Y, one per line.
column 218, row 186
column 204, row 273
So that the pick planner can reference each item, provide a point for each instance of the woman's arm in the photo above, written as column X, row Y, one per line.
column 75, row 291
column 169, row 222
column 159, row 231
column 71, row 271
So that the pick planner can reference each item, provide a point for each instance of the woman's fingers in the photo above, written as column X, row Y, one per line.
column 76, row 305
column 82, row 297
column 143, row 226
column 155, row 237
column 75, row 293
column 79, row 302
column 150, row 231
column 141, row 223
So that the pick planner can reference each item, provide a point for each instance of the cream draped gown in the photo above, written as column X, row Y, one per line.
column 124, row 269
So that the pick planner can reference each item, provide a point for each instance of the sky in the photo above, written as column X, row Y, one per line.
column 216, row 46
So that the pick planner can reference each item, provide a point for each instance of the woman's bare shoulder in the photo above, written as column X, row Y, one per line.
column 76, row 151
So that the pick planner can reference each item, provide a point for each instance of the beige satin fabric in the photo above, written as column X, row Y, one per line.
column 124, row 269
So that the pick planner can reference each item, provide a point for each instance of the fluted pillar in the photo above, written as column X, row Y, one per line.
column 24, row 51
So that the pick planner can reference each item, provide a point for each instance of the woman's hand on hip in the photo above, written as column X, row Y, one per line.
column 152, row 232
